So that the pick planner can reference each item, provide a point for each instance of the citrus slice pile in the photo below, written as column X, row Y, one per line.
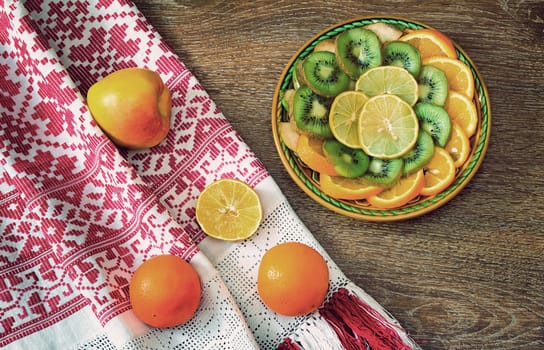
column 229, row 209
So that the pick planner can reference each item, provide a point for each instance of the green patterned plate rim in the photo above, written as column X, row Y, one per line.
column 308, row 180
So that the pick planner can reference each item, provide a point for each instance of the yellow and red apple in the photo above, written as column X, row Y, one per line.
column 132, row 106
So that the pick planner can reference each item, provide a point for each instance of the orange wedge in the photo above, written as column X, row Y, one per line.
column 458, row 146
column 462, row 111
column 343, row 188
column 401, row 193
column 459, row 75
column 229, row 210
column 430, row 42
column 439, row 172
column 310, row 152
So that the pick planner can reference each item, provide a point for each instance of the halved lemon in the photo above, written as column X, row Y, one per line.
column 459, row 75
column 344, row 117
column 229, row 209
column 345, row 188
column 401, row 193
column 462, row 111
column 388, row 80
column 430, row 42
column 439, row 172
column 388, row 127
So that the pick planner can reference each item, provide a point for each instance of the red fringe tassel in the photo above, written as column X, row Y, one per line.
column 358, row 325
column 288, row 344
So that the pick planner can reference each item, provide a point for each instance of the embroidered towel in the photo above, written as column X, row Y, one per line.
column 78, row 215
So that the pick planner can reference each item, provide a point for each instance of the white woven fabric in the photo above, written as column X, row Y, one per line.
column 79, row 215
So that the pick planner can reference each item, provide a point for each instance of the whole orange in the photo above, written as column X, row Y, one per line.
column 165, row 291
column 293, row 279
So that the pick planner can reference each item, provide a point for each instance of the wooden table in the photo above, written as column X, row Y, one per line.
column 469, row 275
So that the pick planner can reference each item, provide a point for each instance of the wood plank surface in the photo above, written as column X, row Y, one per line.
column 469, row 275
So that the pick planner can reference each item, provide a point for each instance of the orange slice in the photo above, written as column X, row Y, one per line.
column 289, row 134
column 459, row 75
column 430, row 42
column 343, row 188
column 229, row 210
column 462, row 111
column 439, row 172
column 401, row 193
column 458, row 146
column 310, row 152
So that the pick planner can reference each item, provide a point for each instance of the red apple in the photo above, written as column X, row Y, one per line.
column 132, row 106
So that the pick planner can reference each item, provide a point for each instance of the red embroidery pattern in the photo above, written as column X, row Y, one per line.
column 76, row 214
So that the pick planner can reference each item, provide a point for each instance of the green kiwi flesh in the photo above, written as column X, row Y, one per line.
column 434, row 120
column 358, row 50
column 420, row 155
column 323, row 74
column 384, row 172
column 311, row 112
column 404, row 55
column 348, row 162
column 432, row 86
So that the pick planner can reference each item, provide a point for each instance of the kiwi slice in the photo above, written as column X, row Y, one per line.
column 323, row 74
column 358, row 50
column 402, row 54
column 298, row 75
column 384, row 172
column 287, row 101
column 432, row 86
column 311, row 112
column 348, row 162
column 326, row 45
column 420, row 155
column 434, row 120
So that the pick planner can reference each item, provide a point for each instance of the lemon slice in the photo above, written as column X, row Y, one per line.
column 389, row 80
column 344, row 117
column 388, row 127
column 229, row 210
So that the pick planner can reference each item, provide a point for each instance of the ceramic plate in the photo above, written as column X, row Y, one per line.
column 308, row 180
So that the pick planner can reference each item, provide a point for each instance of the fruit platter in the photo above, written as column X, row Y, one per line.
column 381, row 118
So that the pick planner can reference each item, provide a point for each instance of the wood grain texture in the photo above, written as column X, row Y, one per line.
column 469, row 275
